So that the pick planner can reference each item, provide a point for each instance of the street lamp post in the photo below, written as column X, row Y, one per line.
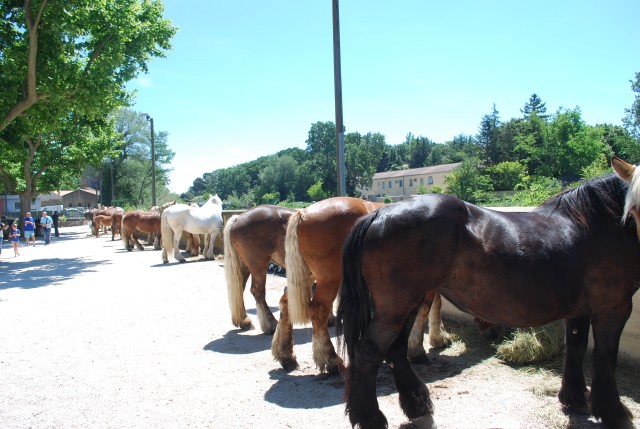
column 153, row 160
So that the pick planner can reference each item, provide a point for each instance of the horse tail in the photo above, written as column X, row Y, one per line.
column 167, row 236
column 355, row 307
column 123, row 234
column 235, row 283
column 298, row 273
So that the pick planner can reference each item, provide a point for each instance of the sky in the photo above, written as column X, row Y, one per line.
column 248, row 78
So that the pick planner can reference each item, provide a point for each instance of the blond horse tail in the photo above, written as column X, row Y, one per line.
column 235, row 283
column 298, row 274
column 123, row 234
column 167, row 237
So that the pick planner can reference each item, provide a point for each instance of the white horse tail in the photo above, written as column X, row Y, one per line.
column 235, row 284
column 167, row 237
column 298, row 274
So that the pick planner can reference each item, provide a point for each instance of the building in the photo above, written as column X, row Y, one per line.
column 85, row 197
column 401, row 184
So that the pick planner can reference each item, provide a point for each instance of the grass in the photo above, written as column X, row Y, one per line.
column 533, row 345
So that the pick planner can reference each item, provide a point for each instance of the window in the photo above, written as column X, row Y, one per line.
column 422, row 180
column 390, row 184
column 400, row 183
column 430, row 180
column 410, row 182
column 383, row 185
column 16, row 206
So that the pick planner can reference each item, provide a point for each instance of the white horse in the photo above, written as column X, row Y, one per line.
column 196, row 220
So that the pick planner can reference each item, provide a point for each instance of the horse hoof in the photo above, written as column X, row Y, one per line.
column 424, row 422
column 182, row 261
column 289, row 364
column 420, row 359
column 246, row 325
column 332, row 321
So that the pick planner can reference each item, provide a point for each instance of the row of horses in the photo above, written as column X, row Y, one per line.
column 574, row 258
column 168, row 220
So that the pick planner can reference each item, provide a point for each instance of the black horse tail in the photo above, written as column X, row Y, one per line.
column 355, row 308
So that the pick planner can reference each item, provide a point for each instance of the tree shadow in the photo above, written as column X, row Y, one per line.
column 48, row 272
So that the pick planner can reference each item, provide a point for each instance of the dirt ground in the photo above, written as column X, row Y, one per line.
column 92, row 336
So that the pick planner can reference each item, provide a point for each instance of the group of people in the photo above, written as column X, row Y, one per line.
column 47, row 222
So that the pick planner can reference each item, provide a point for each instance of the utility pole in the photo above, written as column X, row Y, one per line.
column 337, row 79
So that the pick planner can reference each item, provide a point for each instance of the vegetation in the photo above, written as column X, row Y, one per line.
column 64, row 67
column 527, row 159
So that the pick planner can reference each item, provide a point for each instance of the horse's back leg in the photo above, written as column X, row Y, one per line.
column 268, row 323
column 416, row 351
column 438, row 336
column 282, row 343
column 177, row 235
column 414, row 395
column 605, row 399
column 135, row 239
column 320, row 309
column 573, row 392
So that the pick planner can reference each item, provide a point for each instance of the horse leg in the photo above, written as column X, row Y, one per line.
column 360, row 393
column 414, row 395
column 605, row 399
column 176, row 246
column 438, row 336
column 282, row 343
column 320, row 308
column 210, row 242
column 137, row 243
column 573, row 392
column 416, row 352
column 268, row 323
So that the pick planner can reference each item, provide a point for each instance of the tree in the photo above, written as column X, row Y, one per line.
column 535, row 106
column 64, row 68
column 362, row 154
column 321, row 148
column 466, row 181
column 419, row 151
column 631, row 120
column 488, row 137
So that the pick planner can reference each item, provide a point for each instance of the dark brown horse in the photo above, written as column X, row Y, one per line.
column 314, row 241
column 252, row 240
column 576, row 257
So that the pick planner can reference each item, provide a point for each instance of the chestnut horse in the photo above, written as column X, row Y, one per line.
column 143, row 221
column 576, row 257
column 252, row 240
column 313, row 246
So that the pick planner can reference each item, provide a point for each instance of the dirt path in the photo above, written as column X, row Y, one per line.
column 92, row 336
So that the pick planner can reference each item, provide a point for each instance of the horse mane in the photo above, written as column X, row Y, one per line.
column 600, row 197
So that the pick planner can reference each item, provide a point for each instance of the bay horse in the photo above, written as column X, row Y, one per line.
column 196, row 220
column 135, row 221
column 313, row 251
column 575, row 257
column 252, row 240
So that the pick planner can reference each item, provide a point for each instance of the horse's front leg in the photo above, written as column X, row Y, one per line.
column 605, row 399
column 282, row 343
column 416, row 351
column 573, row 392
column 210, row 239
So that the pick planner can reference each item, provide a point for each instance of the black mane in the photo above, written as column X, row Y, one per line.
column 601, row 197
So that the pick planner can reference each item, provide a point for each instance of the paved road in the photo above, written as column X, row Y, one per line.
column 92, row 336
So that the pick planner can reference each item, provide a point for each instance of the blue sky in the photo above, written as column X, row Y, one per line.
column 248, row 78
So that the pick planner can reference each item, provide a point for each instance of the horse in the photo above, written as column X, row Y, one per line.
column 138, row 220
column 575, row 257
column 313, row 248
column 252, row 240
column 196, row 220
column 100, row 220
column 116, row 221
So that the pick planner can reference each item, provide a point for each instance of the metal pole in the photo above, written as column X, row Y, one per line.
column 153, row 163
column 337, row 79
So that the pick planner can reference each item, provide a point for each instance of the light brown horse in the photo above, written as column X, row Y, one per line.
column 138, row 221
column 252, row 240
column 313, row 247
column 100, row 221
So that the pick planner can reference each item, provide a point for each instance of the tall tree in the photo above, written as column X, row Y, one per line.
column 321, row 148
column 488, row 137
column 362, row 153
column 535, row 106
column 419, row 151
column 64, row 68
column 631, row 120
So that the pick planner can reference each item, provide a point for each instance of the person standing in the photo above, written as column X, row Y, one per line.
column 46, row 222
column 14, row 236
column 2, row 228
column 56, row 220
column 29, row 229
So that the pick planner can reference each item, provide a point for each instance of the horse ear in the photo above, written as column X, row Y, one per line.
column 623, row 168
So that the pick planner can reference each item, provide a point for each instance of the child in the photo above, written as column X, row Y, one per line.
column 14, row 236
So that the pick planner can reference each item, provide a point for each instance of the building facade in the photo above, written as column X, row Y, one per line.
column 401, row 184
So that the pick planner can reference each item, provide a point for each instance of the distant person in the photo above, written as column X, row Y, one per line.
column 3, row 227
column 46, row 222
column 56, row 219
column 14, row 236
column 29, row 229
